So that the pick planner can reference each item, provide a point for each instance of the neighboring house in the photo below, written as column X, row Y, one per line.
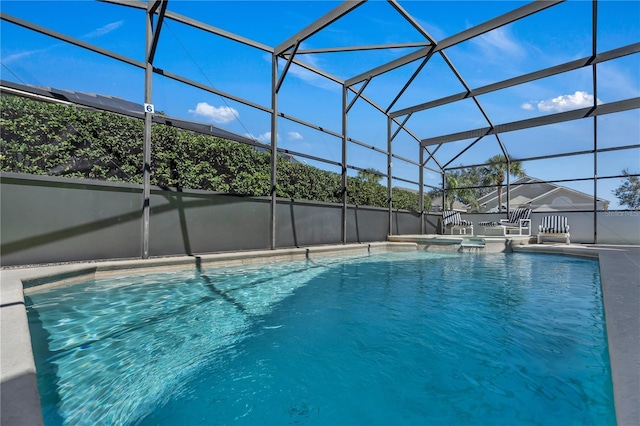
column 436, row 205
column 540, row 196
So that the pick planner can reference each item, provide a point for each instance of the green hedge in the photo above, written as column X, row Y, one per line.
column 52, row 139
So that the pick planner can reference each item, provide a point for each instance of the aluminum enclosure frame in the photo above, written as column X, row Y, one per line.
column 157, row 11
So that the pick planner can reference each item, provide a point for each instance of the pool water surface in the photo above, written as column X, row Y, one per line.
column 388, row 338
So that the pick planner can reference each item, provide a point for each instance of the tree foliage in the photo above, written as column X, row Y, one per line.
column 629, row 192
column 496, row 169
column 459, row 185
column 467, row 185
column 57, row 140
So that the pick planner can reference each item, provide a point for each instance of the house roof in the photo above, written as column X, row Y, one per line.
column 523, row 199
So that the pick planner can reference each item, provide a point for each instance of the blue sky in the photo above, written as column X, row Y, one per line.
column 554, row 36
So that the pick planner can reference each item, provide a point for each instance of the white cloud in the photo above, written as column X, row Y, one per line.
column 104, row 30
column 499, row 39
column 221, row 115
column 20, row 55
column 579, row 99
column 294, row 136
column 527, row 106
column 264, row 138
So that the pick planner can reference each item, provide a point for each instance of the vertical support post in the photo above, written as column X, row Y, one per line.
column 344, row 164
column 421, row 188
column 274, row 146
column 146, row 150
column 508, row 185
column 594, row 52
column 389, row 170
column 444, row 193
column 444, row 190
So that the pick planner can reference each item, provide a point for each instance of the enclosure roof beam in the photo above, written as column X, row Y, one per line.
column 359, row 48
column 196, row 24
column 310, row 125
column 407, row 16
column 492, row 24
column 526, row 78
column 217, row 31
column 313, row 69
column 408, row 83
column 560, row 155
column 477, row 102
column 462, row 152
column 127, row 60
column 318, row 25
column 209, row 89
column 70, row 40
column 609, row 108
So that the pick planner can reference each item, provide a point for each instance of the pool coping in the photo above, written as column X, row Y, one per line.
column 20, row 403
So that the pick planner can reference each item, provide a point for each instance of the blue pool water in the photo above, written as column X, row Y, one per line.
column 390, row 338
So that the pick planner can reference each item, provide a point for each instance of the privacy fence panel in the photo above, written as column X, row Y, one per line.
column 47, row 220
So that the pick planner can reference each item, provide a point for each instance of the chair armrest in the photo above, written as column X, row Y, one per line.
column 504, row 220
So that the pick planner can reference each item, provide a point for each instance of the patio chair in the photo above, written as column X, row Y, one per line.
column 518, row 220
column 554, row 226
column 452, row 220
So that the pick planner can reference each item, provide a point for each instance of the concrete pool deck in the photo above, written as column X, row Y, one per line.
column 620, row 277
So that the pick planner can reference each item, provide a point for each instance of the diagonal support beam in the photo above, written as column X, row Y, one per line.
column 318, row 25
column 286, row 67
column 507, row 18
column 151, row 8
column 156, row 34
column 410, row 19
column 400, row 127
column 355, row 98
column 408, row 83
column 525, row 78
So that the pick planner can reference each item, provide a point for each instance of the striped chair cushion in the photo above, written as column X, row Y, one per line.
column 451, row 217
column 520, row 213
column 554, row 224
column 513, row 219
column 489, row 223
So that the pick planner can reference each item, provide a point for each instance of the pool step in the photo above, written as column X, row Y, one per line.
column 473, row 243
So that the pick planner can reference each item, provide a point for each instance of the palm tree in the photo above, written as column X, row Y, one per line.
column 457, row 183
column 495, row 171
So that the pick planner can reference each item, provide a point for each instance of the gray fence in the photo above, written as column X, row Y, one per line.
column 46, row 219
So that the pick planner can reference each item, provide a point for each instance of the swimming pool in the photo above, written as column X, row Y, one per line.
column 394, row 338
